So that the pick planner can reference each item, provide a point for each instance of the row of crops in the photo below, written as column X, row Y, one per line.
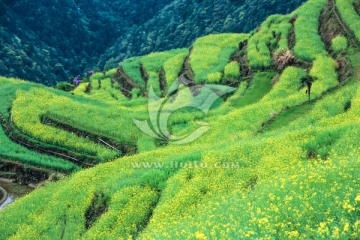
column 349, row 15
column 15, row 152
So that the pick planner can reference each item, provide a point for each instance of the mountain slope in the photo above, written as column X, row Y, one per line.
column 183, row 21
column 278, row 161
column 48, row 42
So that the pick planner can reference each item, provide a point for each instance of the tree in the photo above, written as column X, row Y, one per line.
column 65, row 86
column 308, row 81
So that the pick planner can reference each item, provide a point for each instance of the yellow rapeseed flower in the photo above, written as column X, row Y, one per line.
column 357, row 199
column 294, row 234
column 200, row 235
column 249, row 233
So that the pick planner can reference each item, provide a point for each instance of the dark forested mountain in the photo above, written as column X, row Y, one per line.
column 50, row 41
column 182, row 21
column 47, row 41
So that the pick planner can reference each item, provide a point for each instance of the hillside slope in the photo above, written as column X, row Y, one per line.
column 278, row 157
column 48, row 42
column 182, row 21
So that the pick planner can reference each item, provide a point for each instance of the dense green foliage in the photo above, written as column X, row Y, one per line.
column 273, row 33
column 324, row 70
column 211, row 54
column 308, row 41
column 259, row 87
column 29, row 122
column 339, row 44
column 147, row 69
column 271, row 164
column 172, row 67
column 183, row 21
column 131, row 67
column 350, row 16
column 154, row 62
column 232, row 71
column 14, row 152
column 48, row 42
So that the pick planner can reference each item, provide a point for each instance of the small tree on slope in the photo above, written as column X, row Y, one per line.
column 308, row 81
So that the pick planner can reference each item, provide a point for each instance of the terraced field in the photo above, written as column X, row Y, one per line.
column 279, row 158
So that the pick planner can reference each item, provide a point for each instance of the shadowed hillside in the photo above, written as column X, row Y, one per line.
column 48, row 42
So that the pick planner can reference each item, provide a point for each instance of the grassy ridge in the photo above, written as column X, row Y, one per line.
column 351, row 18
column 308, row 41
column 211, row 54
column 131, row 67
column 155, row 61
column 27, row 115
column 273, row 34
column 172, row 67
column 12, row 151
column 152, row 63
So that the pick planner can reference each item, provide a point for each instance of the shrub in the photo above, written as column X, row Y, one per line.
column 95, row 83
column 259, row 87
column 339, row 44
column 288, row 83
column 110, row 73
column 232, row 71
column 284, row 31
column 145, row 144
column 214, row 77
column 97, row 76
column 81, row 89
column 259, row 55
column 65, row 86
